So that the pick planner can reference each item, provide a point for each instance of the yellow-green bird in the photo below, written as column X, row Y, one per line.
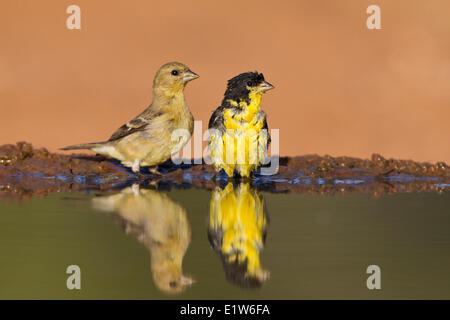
column 238, row 128
column 161, row 225
column 146, row 140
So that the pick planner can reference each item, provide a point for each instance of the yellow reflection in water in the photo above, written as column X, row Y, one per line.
column 161, row 225
column 237, row 229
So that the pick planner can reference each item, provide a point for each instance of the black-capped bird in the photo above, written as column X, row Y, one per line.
column 146, row 140
column 237, row 230
column 238, row 128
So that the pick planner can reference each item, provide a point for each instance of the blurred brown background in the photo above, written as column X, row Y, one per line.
column 341, row 89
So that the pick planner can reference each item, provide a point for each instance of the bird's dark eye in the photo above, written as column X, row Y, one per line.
column 249, row 83
column 174, row 72
column 173, row 284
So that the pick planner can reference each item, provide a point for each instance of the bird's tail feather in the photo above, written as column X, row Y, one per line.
column 83, row 146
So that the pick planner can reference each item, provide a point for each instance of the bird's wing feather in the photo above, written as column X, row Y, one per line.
column 217, row 129
column 265, row 127
column 137, row 124
column 263, row 139
column 216, row 120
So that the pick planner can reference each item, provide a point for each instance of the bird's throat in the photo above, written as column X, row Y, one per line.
column 247, row 110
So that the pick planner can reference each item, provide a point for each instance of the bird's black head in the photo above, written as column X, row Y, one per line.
column 239, row 87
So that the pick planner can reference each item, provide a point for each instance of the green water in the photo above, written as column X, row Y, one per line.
column 317, row 247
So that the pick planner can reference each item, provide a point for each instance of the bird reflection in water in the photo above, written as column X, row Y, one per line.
column 161, row 225
column 237, row 230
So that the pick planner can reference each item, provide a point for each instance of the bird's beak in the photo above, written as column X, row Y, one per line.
column 189, row 75
column 265, row 86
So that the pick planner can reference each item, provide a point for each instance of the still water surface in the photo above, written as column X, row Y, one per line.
column 232, row 243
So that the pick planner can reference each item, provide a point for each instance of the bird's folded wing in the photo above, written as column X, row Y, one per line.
column 216, row 120
column 137, row 124
column 265, row 127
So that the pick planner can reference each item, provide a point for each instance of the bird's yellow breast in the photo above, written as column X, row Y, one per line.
column 246, row 118
column 240, row 143
column 240, row 216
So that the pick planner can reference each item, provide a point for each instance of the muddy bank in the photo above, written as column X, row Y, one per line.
column 26, row 171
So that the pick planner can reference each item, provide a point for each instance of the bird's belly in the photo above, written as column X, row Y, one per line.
column 238, row 149
column 149, row 151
